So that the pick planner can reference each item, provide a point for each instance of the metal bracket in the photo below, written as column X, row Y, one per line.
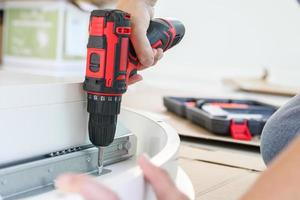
column 35, row 177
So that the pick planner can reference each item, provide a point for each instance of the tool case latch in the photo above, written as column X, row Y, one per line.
column 239, row 130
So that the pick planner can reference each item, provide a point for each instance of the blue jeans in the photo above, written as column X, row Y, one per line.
column 281, row 129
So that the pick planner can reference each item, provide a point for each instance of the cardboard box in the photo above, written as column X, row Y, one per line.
column 46, row 35
column 220, row 174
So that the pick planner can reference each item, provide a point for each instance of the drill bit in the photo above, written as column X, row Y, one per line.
column 100, row 159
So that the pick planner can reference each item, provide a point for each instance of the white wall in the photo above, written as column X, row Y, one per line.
column 229, row 37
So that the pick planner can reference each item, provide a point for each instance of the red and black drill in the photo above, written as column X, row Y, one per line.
column 111, row 61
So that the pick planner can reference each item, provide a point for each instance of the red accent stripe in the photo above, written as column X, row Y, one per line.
column 121, row 77
column 173, row 32
column 104, row 94
column 169, row 41
column 230, row 105
column 130, row 68
column 110, row 57
column 157, row 44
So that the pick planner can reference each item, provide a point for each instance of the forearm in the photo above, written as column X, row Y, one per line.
column 151, row 2
column 281, row 180
column 148, row 2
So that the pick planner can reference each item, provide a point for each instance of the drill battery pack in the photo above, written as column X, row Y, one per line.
column 240, row 119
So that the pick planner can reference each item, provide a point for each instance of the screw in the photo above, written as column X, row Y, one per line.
column 127, row 145
column 3, row 182
column 88, row 159
column 120, row 147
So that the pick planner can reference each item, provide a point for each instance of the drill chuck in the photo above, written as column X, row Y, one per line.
column 103, row 111
column 102, row 129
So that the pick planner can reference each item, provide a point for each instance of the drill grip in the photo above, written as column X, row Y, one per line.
column 162, row 34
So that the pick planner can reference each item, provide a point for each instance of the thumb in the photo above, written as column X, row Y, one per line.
column 161, row 182
column 84, row 185
column 133, row 79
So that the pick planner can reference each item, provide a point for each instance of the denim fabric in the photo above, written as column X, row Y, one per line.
column 280, row 129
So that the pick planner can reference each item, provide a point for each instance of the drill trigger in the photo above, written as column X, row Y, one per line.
column 131, row 70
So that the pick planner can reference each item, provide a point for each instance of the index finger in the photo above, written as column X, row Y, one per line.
column 141, row 43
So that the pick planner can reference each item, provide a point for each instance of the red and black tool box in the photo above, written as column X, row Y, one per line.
column 178, row 105
column 240, row 119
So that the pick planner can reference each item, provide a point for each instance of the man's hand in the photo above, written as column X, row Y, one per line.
column 84, row 185
column 142, row 12
column 89, row 189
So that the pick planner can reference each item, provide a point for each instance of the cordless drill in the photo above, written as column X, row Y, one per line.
column 111, row 61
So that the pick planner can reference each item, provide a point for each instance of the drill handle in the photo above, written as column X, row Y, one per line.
column 161, row 33
column 133, row 62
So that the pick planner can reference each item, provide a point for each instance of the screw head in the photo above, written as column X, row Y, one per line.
column 120, row 147
column 88, row 159
column 127, row 145
column 3, row 182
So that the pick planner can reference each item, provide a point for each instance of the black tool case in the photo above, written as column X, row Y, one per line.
column 242, row 119
column 178, row 105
